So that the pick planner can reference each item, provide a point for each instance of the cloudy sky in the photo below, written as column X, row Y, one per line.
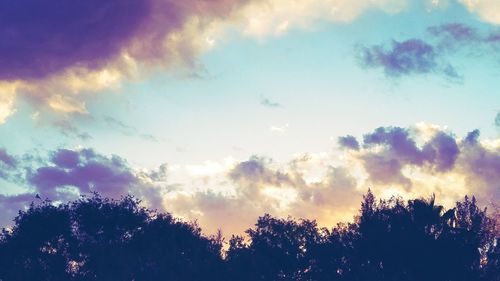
column 223, row 110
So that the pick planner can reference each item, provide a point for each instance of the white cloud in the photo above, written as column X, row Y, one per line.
column 279, row 129
column 7, row 100
column 487, row 10
column 275, row 17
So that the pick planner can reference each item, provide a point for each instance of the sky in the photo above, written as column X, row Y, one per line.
column 222, row 110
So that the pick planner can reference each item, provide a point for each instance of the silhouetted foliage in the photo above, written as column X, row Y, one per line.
column 96, row 238
column 102, row 239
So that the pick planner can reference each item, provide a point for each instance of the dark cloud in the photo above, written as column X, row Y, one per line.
column 66, row 158
column 472, row 137
column 9, row 166
column 384, row 166
column 42, row 37
column 442, row 150
column 412, row 56
column 430, row 55
column 497, row 120
column 400, row 149
column 398, row 142
column 67, row 174
column 348, row 142
column 86, row 171
column 6, row 159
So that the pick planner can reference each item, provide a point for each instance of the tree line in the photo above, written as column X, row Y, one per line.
column 96, row 238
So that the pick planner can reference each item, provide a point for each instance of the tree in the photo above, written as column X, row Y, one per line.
column 98, row 238
column 95, row 238
column 277, row 250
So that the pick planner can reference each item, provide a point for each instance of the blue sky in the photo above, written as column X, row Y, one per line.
column 205, row 110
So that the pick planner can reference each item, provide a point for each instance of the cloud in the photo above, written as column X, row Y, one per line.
column 443, row 150
column 275, row 17
column 497, row 120
column 455, row 32
column 84, row 171
column 396, row 148
column 348, row 142
column 45, row 38
column 47, row 59
column 127, row 130
column 68, row 173
column 10, row 205
column 52, row 53
column 66, row 104
column 417, row 56
column 66, row 128
column 279, row 129
column 481, row 166
column 397, row 141
column 7, row 98
column 8, row 163
column 407, row 57
column 259, row 185
column 410, row 162
column 255, row 171
column 427, row 159
column 487, row 10
column 6, row 159
column 269, row 103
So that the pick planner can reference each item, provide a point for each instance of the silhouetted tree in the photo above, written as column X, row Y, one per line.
column 95, row 238
column 277, row 250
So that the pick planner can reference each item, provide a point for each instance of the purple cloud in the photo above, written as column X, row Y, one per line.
column 7, row 164
column 66, row 158
column 412, row 56
column 442, row 151
column 10, row 206
column 42, row 38
column 349, row 142
column 86, row 171
column 6, row 159
column 67, row 174
column 400, row 149
column 472, row 137
column 429, row 55
column 482, row 168
column 454, row 32
column 38, row 38
column 398, row 141
column 255, row 170
column 385, row 170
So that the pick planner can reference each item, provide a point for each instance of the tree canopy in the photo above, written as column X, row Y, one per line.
column 96, row 238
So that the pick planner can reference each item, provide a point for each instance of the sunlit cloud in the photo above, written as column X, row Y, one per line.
column 158, row 34
column 487, row 10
